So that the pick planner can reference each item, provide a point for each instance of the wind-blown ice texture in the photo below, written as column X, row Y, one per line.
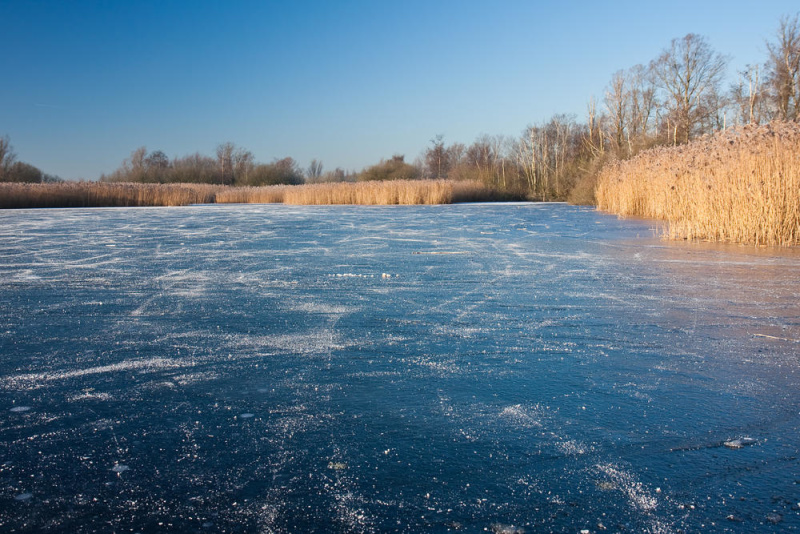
column 510, row 368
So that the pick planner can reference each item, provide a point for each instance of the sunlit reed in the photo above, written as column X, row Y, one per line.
column 100, row 194
column 741, row 185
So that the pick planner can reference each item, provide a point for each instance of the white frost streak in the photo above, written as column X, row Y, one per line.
column 34, row 380
column 314, row 342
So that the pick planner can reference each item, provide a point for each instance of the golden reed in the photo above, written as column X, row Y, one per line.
column 741, row 185
column 94, row 194
column 101, row 194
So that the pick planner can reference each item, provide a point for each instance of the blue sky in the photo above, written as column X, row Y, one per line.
column 84, row 83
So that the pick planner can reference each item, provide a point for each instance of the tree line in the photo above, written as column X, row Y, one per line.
column 232, row 166
column 676, row 97
column 236, row 166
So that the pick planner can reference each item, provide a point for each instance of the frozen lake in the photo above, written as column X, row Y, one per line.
column 473, row 368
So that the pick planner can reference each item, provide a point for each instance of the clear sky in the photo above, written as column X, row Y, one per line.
column 83, row 83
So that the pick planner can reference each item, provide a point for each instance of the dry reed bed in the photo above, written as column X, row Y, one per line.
column 741, row 185
column 391, row 192
column 94, row 194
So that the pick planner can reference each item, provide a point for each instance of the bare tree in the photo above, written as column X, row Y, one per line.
column 534, row 158
column 561, row 127
column 642, row 102
column 593, row 140
column 688, row 71
column 225, row 161
column 455, row 153
column 135, row 165
column 436, row 159
column 543, row 154
column 337, row 175
column 503, row 170
column 314, row 172
column 783, row 69
column 195, row 168
column 747, row 96
column 481, row 156
column 617, row 104
column 7, row 157
column 242, row 165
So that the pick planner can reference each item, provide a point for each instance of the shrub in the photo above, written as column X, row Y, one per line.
column 393, row 169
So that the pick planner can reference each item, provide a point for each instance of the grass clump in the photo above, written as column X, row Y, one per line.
column 741, row 185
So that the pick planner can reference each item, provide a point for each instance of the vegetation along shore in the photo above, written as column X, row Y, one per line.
column 101, row 194
column 669, row 140
column 740, row 185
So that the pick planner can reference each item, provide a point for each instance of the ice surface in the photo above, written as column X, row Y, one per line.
column 508, row 368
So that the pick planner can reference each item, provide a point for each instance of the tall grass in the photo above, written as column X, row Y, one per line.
column 93, row 194
column 741, row 185
column 269, row 194
column 391, row 192
column 99, row 194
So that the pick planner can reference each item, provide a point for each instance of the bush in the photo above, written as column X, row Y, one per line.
column 393, row 169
